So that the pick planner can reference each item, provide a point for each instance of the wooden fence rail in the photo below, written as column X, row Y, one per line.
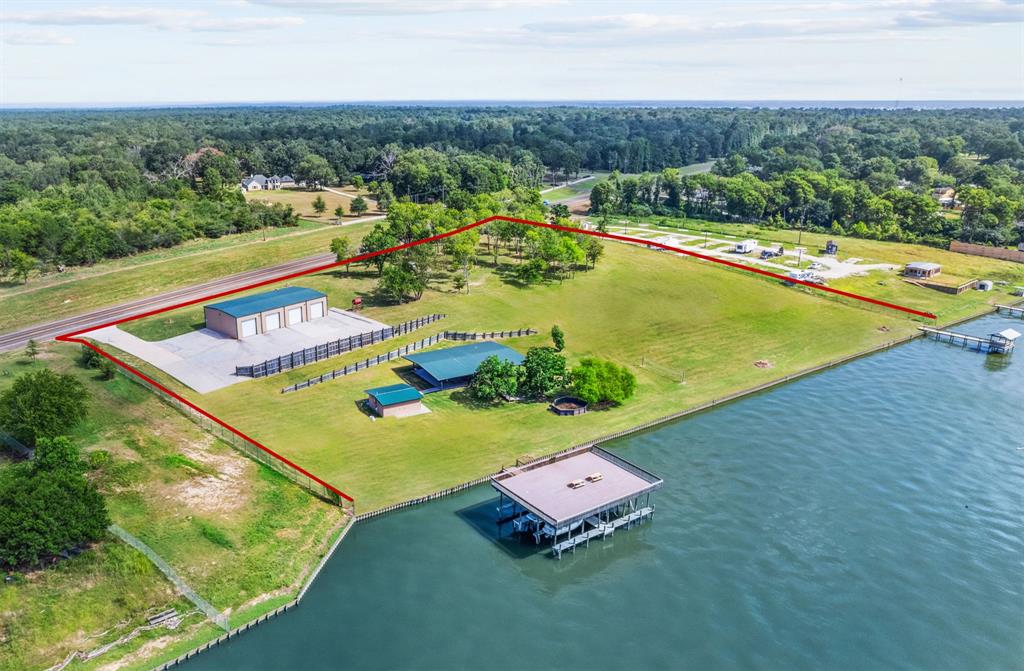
column 402, row 351
column 333, row 348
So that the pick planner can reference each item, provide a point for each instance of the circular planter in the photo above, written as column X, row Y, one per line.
column 568, row 405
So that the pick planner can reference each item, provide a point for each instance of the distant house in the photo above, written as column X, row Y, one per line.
column 255, row 183
column 944, row 195
column 264, row 183
column 922, row 269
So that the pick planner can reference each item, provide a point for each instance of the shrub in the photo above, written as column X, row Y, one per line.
column 98, row 459
column 558, row 338
column 595, row 381
column 214, row 535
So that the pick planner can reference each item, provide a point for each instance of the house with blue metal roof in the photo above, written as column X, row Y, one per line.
column 264, row 312
column 455, row 366
column 395, row 400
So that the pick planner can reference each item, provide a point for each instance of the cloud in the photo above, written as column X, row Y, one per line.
column 398, row 7
column 793, row 21
column 164, row 19
column 244, row 24
column 103, row 16
column 37, row 38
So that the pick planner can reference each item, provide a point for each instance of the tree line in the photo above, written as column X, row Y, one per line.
column 845, row 183
column 80, row 186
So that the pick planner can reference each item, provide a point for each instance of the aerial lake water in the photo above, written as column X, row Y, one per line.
column 867, row 517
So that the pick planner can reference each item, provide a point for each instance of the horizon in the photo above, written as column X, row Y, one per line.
column 86, row 53
column 725, row 103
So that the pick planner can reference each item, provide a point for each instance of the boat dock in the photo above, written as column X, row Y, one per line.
column 601, row 529
column 995, row 343
column 569, row 499
column 1011, row 311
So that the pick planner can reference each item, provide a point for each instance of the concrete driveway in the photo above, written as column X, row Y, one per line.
column 205, row 360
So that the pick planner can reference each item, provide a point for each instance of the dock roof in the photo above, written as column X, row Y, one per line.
column 453, row 363
column 543, row 487
column 268, row 300
column 393, row 394
column 1008, row 334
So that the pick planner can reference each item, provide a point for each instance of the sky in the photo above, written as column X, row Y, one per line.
column 223, row 51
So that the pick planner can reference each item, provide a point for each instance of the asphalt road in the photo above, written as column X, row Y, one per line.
column 49, row 330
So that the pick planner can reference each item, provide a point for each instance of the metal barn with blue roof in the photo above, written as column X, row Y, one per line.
column 260, row 313
column 454, row 366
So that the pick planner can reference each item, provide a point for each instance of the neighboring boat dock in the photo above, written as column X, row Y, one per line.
column 995, row 343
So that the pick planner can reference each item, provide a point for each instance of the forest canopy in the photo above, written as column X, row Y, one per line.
column 80, row 186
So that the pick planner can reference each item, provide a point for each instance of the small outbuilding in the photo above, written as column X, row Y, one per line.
column 395, row 400
column 264, row 312
column 455, row 366
column 922, row 269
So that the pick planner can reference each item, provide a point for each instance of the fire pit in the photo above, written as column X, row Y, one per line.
column 568, row 405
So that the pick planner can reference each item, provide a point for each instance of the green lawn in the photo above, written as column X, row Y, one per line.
column 682, row 315
column 239, row 533
column 887, row 286
column 118, row 281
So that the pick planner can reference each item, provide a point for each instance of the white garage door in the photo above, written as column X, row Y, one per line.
column 248, row 328
column 272, row 321
column 294, row 316
column 316, row 310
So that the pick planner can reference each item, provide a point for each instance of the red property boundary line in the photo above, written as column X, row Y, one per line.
column 74, row 336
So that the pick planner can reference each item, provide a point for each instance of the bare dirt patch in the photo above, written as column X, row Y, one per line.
column 223, row 491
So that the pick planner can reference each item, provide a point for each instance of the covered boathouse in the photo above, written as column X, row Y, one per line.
column 455, row 366
column 568, row 499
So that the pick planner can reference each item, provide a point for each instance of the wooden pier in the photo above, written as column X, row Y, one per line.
column 601, row 529
column 1011, row 311
column 996, row 343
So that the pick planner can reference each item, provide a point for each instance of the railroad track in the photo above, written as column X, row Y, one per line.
column 49, row 330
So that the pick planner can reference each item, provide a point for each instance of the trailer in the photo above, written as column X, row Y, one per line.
column 745, row 246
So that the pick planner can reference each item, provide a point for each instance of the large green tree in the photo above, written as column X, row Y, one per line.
column 315, row 171
column 47, row 505
column 41, row 405
column 495, row 379
column 543, row 373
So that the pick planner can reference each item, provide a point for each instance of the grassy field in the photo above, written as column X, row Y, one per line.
column 565, row 192
column 572, row 190
column 122, row 282
column 189, row 248
column 684, row 317
column 887, row 286
column 302, row 201
column 240, row 534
